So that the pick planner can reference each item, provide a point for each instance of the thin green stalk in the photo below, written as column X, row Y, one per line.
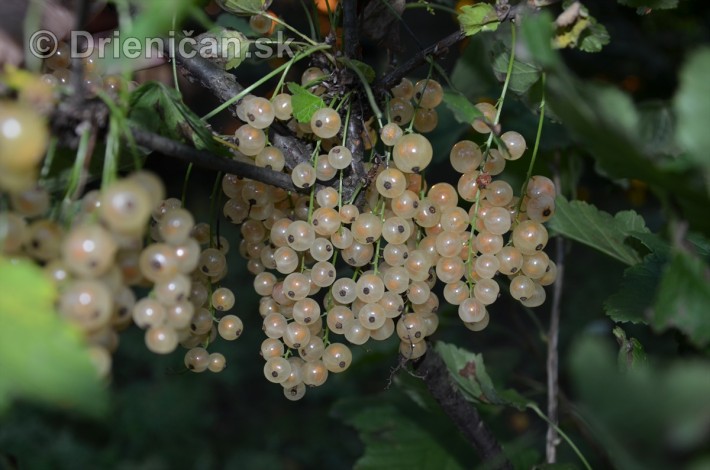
column 174, row 65
column 264, row 79
column 185, row 181
column 82, row 153
column 538, row 136
column 48, row 160
column 311, row 25
column 576, row 450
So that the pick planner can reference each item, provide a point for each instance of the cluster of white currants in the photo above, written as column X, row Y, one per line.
column 369, row 271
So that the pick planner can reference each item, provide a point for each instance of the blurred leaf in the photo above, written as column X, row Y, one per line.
column 634, row 299
column 160, row 109
column 472, row 74
column 523, row 74
column 477, row 18
column 692, row 105
column 646, row 416
column 683, row 298
column 586, row 224
column 464, row 111
column 469, row 372
column 657, row 128
column 156, row 17
column 655, row 4
column 631, row 353
column 603, row 121
column 304, row 103
column 556, row 466
column 42, row 358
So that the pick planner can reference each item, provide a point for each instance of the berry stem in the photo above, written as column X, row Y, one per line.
column 536, row 147
column 564, row 436
column 368, row 90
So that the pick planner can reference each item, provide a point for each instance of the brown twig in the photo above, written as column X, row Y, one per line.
column 208, row 160
column 436, row 377
column 350, row 29
column 439, row 48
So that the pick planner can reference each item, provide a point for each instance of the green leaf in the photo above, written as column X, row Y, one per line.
column 42, row 358
column 469, row 372
column 692, row 106
column 464, row 111
column 586, row 224
column 538, row 31
column 631, row 353
column 683, row 298
column 593, row 38
column 523, row 74
column 634, row 299
column 304, row 103
column 479, row 17
column 155, row 107
column 394, row 438
column 653, row 4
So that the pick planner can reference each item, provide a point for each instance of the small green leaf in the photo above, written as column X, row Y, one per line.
column 653, row 4
column 683, row 298
column 523, row 74
column 160, row 109
column 42, row 358
column 586, row 224
column 304, row 103
column 692, row 106
column 538, row 31
column 631, row 353
column 464, row 111
column 479, row 17
column 469, row 372
column 634, row 299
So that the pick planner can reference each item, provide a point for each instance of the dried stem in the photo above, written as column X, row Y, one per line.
column 436, row 377
column 350, row 29
column 553, row 438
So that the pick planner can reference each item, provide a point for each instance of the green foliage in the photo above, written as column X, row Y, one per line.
column 393, row 440
column 631, row 303
column 683, row 298
column 477, row 18
column 304, row 103
column 174, row 118
column 464, row 111
column 580, row 29
column 692, row 105
column 367, row 71
column 662, row 408
column 523, row 75
column 42, row 358
column 469, row 372
column 600, row 230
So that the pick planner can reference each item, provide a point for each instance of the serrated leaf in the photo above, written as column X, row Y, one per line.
column 597, row 229
column 653, row 4
column 523, row 74
column 692, row 106
column 397, row 435
column 479, row 17
column 469, row 372
column 304, row 103
column 464, row 111
column 42, row 358
column 160, row 109
column 634, row 299
column 683, row 298
column 594, row 38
